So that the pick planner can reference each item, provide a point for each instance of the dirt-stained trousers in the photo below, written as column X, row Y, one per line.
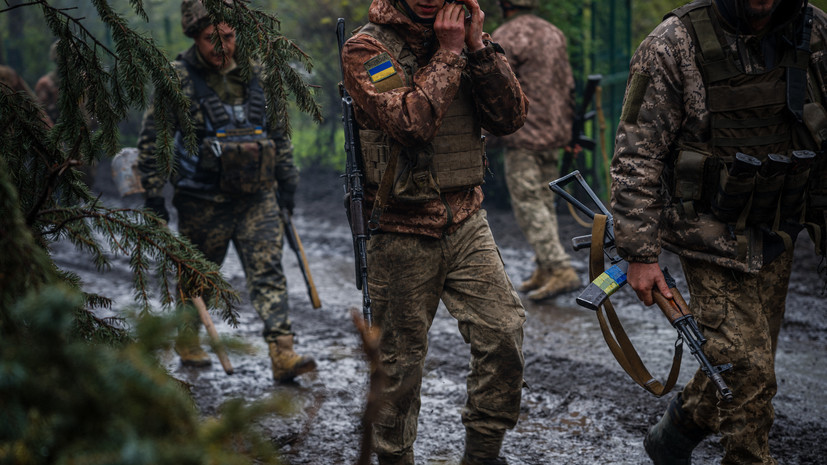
column 527, row 174
column 252, row 223
column 740, row 315
column 408, row 275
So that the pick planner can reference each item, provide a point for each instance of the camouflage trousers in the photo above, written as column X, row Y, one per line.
column 527, row 174
column 408, row 275
column 253, row 224
column 740, row 315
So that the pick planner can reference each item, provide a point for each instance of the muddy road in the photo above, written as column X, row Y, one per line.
column 579, row 408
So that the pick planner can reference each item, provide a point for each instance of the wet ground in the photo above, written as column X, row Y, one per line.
column 580, row 407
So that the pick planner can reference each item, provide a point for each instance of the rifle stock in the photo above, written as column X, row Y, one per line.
column 354, row 191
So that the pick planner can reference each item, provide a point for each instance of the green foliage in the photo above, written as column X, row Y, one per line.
column 63, row 400
column 74, row 387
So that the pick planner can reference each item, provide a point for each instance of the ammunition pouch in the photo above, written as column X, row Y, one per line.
column 244, row 167
column 733, row 196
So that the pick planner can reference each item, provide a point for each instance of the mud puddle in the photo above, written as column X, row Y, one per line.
column 579, row 408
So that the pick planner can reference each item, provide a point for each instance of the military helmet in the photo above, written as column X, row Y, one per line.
column 194, row 16
column 524, row 3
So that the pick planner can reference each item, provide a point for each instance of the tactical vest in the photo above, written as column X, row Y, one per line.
column 453, row 160
column 752, row 114
column 235, row 154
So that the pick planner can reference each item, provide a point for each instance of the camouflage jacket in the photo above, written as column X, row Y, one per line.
column 665, row 107
column 229, row 86
column 47, row 89
column 536, row 50
column 412, row 115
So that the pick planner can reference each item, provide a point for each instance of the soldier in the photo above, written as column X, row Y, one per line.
column 424, row 81
column 220, row 194
column 714, row 89
column 47, row 87
column 10, row 78
column 536, row 50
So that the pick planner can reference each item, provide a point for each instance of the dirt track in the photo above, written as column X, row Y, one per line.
column 580, row 407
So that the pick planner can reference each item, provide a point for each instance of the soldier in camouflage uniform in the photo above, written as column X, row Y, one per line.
column 233, row 187
column 714, row 81
column 536, row 50
column 424, row 83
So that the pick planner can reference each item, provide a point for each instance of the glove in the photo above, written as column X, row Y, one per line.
column 157, row 206
column 287, row 200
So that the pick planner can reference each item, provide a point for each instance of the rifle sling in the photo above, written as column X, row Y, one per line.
column 385, row 185
column 613, row 332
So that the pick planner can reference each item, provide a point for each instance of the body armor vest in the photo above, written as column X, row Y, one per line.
column 752, row 115
column 453, row 160
column 234, row 154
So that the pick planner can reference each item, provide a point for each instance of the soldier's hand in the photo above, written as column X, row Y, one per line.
column 157, row 206
column 287, row 200
column 473, row 26
column 449, row 27
column 643, row 277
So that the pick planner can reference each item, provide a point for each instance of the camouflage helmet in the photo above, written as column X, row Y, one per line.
column 524, row 3
column 194, row 16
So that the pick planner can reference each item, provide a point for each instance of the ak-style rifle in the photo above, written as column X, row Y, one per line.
column 597, row 293
column 354, row 182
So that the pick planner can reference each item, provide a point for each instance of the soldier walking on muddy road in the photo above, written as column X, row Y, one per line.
column 233, row 187
column 424, row 81
column 719, row 158
column 536, row 50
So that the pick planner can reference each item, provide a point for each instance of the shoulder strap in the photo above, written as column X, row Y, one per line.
column 614, row 334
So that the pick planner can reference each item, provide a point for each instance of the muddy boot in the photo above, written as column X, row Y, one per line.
column 562, row 280
column 189, row 350
column 404, row 459
column 671, row 440
column 286, row 363
column 482, row 449
column 537, row 279
column 466, row 460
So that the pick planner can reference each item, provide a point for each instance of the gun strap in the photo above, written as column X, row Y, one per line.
column 614, row 334
column 385, row 185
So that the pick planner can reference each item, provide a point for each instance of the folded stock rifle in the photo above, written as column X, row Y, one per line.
column 604, row 283
column 354, row 191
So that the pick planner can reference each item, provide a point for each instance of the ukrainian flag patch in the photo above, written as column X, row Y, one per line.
column 380, row 68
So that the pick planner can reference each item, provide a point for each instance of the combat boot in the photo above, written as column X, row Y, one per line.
column 496, row 461
column 671, row 440
column 189, row 350
column 287, row 364
column 562, row 280
column 537, row 279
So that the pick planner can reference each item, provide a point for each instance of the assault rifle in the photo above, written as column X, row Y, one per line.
column 579, row 140
column 354, row 192
column 598, row 291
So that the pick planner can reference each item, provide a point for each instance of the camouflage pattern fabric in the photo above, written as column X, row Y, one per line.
column 230, row 87
column 527, row 174
column 257, row 233
column 412, row 114
column 211, row 218
column 665, row 108
column 46, row 90
column 541, row 63
column 439, row 249
column 739, row 302
column 740, row 315
column 10, row 78
column 408, row 275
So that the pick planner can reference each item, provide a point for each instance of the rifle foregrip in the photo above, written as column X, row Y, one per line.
column 671, row 308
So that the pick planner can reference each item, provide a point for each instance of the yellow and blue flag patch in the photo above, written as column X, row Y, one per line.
column 382, row 73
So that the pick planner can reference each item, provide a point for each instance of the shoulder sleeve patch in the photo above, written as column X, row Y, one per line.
column 382, row 73
column 634, row 98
